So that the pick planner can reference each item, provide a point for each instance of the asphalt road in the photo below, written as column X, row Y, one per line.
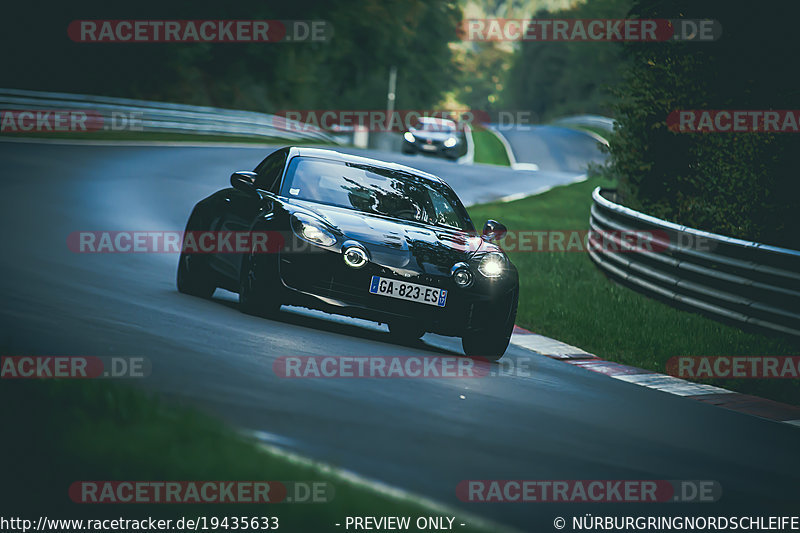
column 553, row 148
column 478, row 183
column 423, row 435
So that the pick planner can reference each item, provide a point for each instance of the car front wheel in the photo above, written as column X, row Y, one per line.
column 491, row 343
column 258, row 290
column 194, row 276
column 487, row 345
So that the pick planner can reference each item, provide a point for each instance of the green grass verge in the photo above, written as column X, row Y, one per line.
column 565, row 296
column 59, row 432
column 488, row 148
column 155, row 137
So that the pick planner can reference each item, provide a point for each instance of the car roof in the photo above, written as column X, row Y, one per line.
column 350, row 158
column 436, row 120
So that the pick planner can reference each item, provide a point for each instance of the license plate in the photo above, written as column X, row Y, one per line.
column 412, row 292
column 428, row 147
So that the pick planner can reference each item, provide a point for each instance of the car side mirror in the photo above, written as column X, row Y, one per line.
column 494, row 231
column 245, row 181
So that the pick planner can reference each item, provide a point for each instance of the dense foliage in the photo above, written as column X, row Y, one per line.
column 554, row 79
column 738, row 184
column 349, row 72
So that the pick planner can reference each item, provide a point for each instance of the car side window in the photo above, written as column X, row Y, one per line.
column 268, row 173
column 445, row 214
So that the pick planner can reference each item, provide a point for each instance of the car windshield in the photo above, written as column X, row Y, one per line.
column 376, row 190
column 443, row 127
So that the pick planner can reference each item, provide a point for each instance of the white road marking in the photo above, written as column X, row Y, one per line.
column 549, row 347
column 379, row 487
column 652, row 380
column 670, row 384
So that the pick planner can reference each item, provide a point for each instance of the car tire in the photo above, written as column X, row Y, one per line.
column 194, row 275
column 259, row 293
column 406, row 330
column 492, row 344
column 485, row 345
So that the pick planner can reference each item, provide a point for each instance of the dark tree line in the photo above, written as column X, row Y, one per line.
column 742, row 184
column 554, row 79
column 349, row 72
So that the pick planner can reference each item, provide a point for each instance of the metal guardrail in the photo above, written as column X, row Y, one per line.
column 731, row 279
column 167, row 117
column 598, row 121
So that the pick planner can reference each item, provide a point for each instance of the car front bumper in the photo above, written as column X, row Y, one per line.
column 322, row 281
column 434, row 148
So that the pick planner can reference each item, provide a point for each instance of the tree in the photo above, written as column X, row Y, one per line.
column 348, row 72
column 558, row 78
column 738, row 184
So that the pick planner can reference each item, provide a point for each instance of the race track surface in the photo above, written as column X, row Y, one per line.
column 552, row 148
column 424, row 435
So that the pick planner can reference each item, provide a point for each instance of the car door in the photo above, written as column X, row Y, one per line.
column 239, row 209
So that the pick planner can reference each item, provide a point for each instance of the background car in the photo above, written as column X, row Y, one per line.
column 436, row 136
column 362, row 238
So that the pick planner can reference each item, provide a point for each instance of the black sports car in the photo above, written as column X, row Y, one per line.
column 359, row 237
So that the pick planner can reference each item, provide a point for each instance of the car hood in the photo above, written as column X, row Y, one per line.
column 407, row 247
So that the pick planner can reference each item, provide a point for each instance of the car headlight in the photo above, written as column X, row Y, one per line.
column 409, row 136
column 311, row 230
column 492, row 265
column 450, row 142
